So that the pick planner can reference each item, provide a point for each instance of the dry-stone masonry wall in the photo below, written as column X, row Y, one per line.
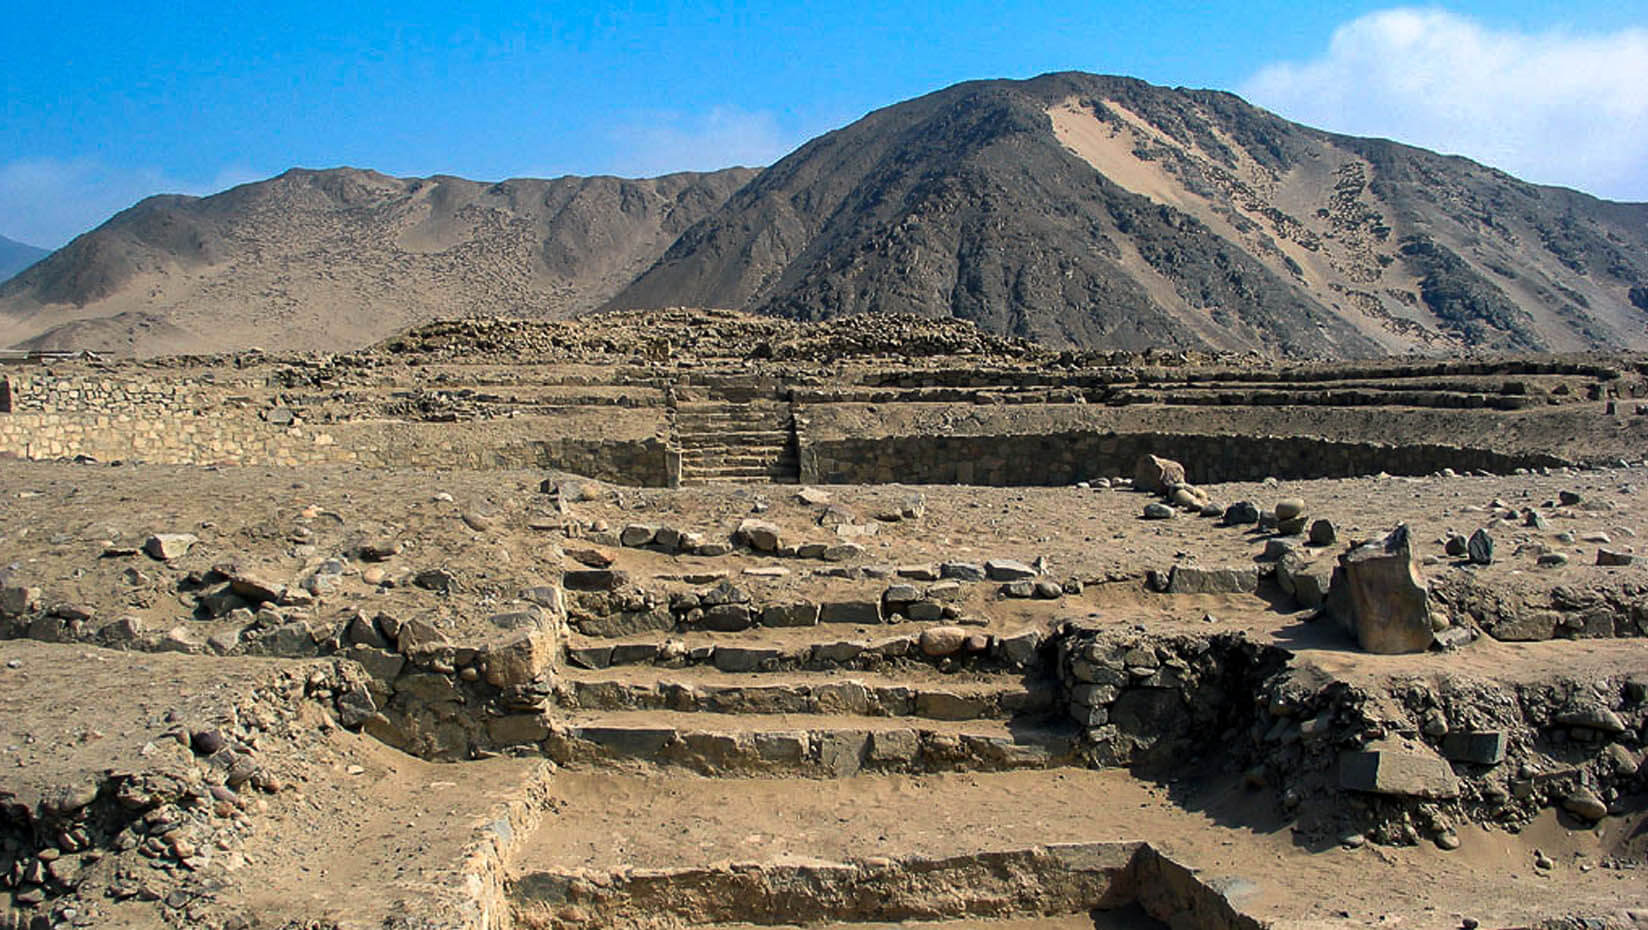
column 1066, row 458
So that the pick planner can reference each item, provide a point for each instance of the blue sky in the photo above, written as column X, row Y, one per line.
column 104, row 103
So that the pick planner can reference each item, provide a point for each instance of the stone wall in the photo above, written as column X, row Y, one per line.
column 1067, row 457
column 1064, row 878
column 190, row 421
column 42, row 391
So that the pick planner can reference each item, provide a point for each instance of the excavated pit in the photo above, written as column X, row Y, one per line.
column 1056, row 881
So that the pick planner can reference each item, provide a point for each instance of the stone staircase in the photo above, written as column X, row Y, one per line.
column 735, row 434
column 828, row 700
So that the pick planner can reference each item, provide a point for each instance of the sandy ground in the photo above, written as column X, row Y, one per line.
column 59, row 520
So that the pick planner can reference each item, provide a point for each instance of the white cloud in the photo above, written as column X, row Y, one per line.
column 1555, row 107
column 48, row 201
column 660, row 143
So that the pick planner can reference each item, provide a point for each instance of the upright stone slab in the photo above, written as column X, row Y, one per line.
column 1387, row 599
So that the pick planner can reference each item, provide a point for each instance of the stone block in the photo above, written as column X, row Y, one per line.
column 782, row 748
column 894, row 748
column 516, row 729
column 634, row 653
column 638, row 534
column 629, row 742
column 1196, row 579
column 594, row 579
column 1387, row 599
column 1019, row 649
column 1398, row 769
column 590, row 657
column 803, row 613
column 744, row 658
column 841, row 753
column 1008, row 570
column 844, row 651
column 759, row 535
column 962, row 571
column 924, row 611
column 1478, row 747
column 947, row 705
column 867, row 611
column 728, row 618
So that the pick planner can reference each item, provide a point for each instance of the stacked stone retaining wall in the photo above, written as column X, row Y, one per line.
column 1069, row 457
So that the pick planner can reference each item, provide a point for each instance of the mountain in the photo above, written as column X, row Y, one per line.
column 15, row 256
column 323, row 260
column 1104, row 211
column 1073, row 209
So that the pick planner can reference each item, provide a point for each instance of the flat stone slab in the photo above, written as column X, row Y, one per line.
column 1398, row 769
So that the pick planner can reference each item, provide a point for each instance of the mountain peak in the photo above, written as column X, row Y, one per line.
column 1070, row 208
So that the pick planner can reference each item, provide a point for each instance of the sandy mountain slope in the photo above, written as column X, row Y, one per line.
column 339, row 258
column 1087, row 210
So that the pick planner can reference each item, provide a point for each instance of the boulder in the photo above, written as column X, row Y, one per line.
column 1156, row 510
column 518, row 661
column 1322, row 533
column 1189, row 497
column 1480, row 548
column 1612, row 558
column 938, row 641
column 1155, row 474
column 1583, row 803
column 169, row 546
column 254, row 589
column 1289, row 507
column 1241, row 513
column 760, row 535
column 1387, row 599
column 16, row 600
column 636, row 535
column 1292, row 526
column 416, row 635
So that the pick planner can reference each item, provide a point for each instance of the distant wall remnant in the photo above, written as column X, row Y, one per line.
column 1069, row 457
column 640, row 424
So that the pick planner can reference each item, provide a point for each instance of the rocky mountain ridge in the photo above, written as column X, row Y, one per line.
column 341, row 258
column 1070, row 209
column 16, row 256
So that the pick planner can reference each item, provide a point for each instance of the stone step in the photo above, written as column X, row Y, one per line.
column 815, row 745
column 771, row 437
column 742, row 475
column 825, row 647
column 722, row 412
column 737, row 465
column 736, row 455
column 918, row 692
column 741, row 479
